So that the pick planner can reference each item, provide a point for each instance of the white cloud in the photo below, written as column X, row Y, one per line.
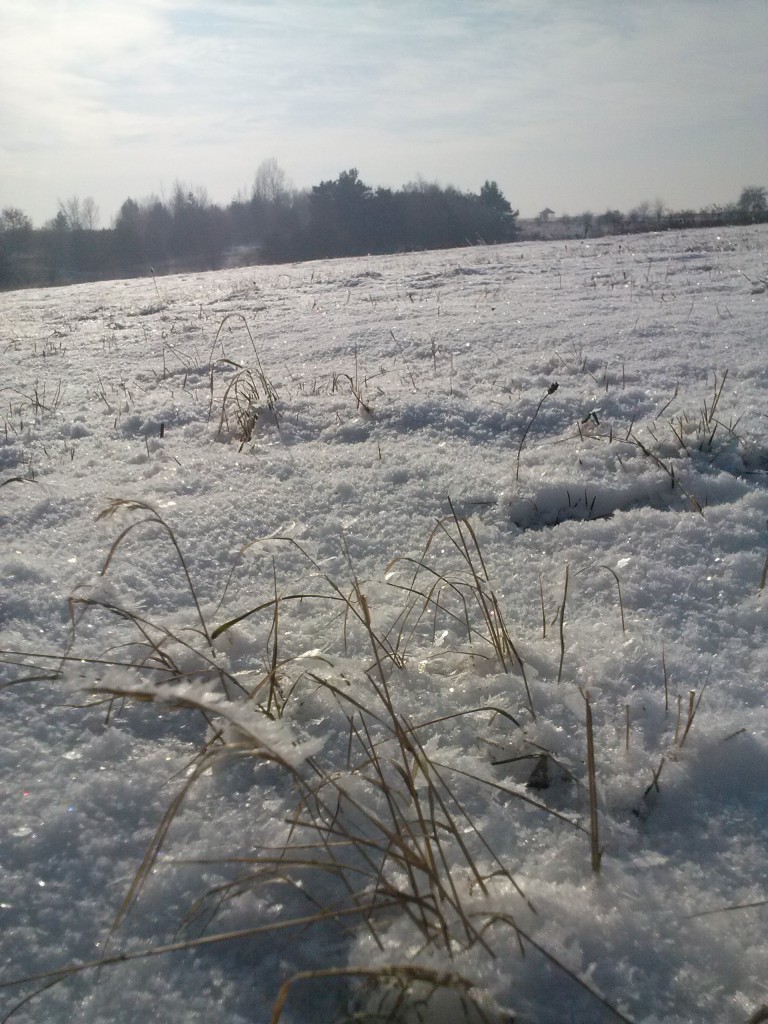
column 501, row 88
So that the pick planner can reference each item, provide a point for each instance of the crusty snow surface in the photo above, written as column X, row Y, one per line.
column 389, row 395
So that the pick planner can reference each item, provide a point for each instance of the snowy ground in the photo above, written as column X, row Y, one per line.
column 382, row 396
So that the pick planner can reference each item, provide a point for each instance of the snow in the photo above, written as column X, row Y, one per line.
column 393, row 408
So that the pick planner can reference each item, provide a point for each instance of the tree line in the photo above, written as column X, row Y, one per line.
column 750, row 208
column 276, row 224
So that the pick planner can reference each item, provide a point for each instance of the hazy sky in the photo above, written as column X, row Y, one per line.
column 571, row 104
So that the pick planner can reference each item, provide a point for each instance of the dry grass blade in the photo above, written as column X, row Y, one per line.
column 153, row 650
column 266, row 386
column 60, row 974
column 550, row 391
column 693, row 707
column 220, row 630
column 764, row 574
column 239, row 408
column 654, row 783
column 470, row 711
column 153, row 850
column 594, row 823
column 618, row 590
column 728, row 909
column 650, row 454
column 561, row 624
column 581, row 982
column 256, row 748
column 517, row 793
column 475, row 832
column 16, row 480
column 413, row 835
column 155, row 519
column 470, row 586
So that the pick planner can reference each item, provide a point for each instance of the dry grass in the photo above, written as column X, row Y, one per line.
column 247, row 397
column 380, row 828
column 463, row 596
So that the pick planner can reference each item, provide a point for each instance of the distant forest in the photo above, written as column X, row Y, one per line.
column 278, row 224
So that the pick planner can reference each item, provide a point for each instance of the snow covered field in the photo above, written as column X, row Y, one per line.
column 379, row 443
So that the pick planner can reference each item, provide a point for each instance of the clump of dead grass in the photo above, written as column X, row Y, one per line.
column 380, row 829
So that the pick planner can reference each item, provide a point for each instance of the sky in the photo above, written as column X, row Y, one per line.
column 574, row 105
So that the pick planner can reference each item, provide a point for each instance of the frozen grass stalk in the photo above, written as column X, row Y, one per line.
column 399, row 839
column 550, row 391
column 594, row 825
column 561, row 624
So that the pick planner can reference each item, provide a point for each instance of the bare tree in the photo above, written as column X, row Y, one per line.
column 270, row 183
column 72, row 211
column 640, row 215
column 189, row 197
column 90, row 213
